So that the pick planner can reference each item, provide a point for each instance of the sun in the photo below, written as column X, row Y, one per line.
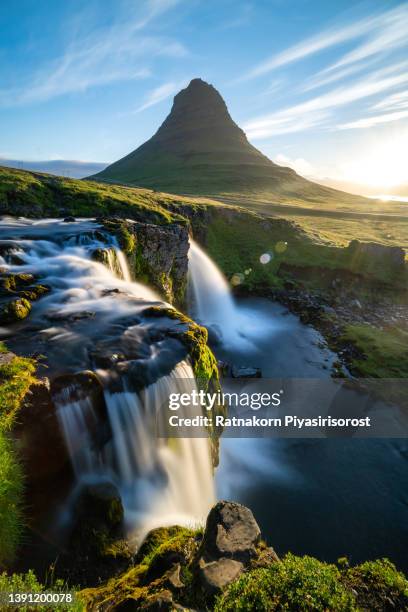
column 383, row 165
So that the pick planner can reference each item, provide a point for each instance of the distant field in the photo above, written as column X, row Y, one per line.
column 339, row 232
column 382, row 222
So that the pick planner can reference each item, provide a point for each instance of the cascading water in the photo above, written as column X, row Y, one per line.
column 92, row 319
column 212, row 303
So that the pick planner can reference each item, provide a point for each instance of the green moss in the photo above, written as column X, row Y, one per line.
column 15, row 311
column 41, row 195
column 384, row 352
column 159, row 542
column 379, row 586
column 195, row 338
column 295, row 583
column 16, row 377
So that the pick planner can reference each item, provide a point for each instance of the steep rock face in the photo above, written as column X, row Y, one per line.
column 157, row 254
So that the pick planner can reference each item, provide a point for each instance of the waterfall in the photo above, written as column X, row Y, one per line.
column 212, row 304
column 92, row 319
column 162, row 481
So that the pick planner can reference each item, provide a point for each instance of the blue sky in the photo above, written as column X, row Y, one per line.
column 321, row 86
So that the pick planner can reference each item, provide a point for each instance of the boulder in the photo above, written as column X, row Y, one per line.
column 231, row 531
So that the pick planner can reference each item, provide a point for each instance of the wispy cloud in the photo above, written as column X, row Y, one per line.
column 159, row 94
column 368, row 122
column 102, row 55
column 385, row 31
column 316, row 110
column 394, row 101
column 389, row 33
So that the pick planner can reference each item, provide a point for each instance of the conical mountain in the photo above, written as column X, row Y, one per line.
column 200, row 150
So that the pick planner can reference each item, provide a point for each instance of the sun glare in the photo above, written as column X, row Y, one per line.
column 381, row 166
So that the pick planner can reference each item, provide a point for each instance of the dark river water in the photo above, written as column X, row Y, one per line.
column 323, row 497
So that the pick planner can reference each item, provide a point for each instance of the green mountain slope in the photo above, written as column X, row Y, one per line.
column 200, row 150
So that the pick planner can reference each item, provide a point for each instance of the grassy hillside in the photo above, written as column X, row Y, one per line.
column 200, row 150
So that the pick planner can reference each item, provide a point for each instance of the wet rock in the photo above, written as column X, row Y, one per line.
column 97, row 548
column 81, row 386
column 231, row 531
column 38, row 437
column 245, row 372
column 15, row 311
column 157, row 254
column 69, row 219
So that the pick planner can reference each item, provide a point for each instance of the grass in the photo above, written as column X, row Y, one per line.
column 340, row 231
column 40, row 195
column 236, row 242
column 296, row 583
column 28, row 583
column 304, row 583
column 385, row 351
column 16, row 377
column 11, row 492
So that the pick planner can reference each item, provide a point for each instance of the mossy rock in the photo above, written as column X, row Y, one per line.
column 15, row 311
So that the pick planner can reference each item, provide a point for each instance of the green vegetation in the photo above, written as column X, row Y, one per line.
column 375, row 582
column 194, row 337
column 143, row 580
column 293, row 254
column 16, row 376
column 28, row 583
column 384, row 351
column 41, row 195
column 16, row 310
column 296, row 583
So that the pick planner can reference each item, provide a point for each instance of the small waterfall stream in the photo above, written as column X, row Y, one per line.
column 92, row 319
column 212, row 304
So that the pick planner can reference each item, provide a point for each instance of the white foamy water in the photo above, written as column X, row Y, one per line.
column 162, row 480
column 213, row 305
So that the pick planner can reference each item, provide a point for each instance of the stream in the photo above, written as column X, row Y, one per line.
column 322, row 497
